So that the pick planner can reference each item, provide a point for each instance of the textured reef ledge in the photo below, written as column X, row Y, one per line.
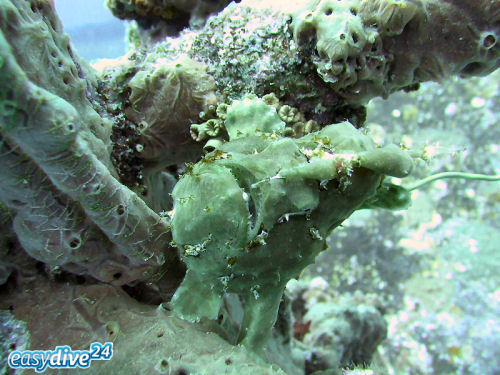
column 194, row 177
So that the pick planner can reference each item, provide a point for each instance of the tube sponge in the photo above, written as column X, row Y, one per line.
column 367, row 48
column 51, row 133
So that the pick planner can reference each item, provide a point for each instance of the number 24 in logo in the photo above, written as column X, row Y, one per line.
column 101, row 351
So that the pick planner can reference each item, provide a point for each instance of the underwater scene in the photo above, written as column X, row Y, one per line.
column 254, row 187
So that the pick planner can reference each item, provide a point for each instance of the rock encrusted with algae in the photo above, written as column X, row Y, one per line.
column 328, row 58
column 180, row 13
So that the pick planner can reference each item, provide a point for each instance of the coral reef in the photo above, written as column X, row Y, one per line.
column 180, row 12
column 156, row 19
column 165, row 201
column 367, row 48
column 338, row 331
column 146, row 339
column 71, row 210
column 14, row 335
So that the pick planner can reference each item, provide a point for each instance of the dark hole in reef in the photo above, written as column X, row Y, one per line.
column 472, row 69
column 412, row 87
column 354, row 12
column 40, row 267
column 164, row 362
column 329, row 12
column 10, row 244
column 110, row 330
column 489, row 41
column 181, row 371
column 173, row 170
column 355, row 37
column 117, row 275
column 342, row 36
column 74, row 243
column 12, row 346
column 80, row 279
column 120, row 210
column 228, row 361
column 160, row 334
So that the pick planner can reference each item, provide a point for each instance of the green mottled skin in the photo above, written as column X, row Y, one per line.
column 243, row 228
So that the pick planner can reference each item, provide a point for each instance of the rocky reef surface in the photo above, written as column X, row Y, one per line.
column 163, row 201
